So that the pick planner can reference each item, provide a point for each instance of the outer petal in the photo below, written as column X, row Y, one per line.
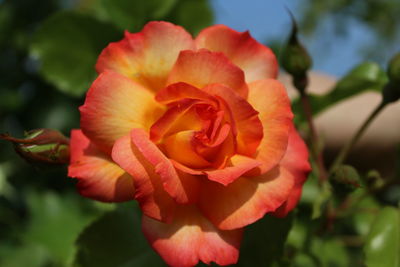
column 296, row 161
column 148, row 56
column 99, row 177
column 183, row 188
column 190, row 238
column 202, row 67
column 114, row 105
column 270, row 99
column 256, row 60
column 245, row 200
column 150, row 193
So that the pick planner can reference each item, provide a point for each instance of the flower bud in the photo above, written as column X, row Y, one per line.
column 41, row 146
column 391, row 91
column 394, row 68
column 296, row 60
column 345, row 179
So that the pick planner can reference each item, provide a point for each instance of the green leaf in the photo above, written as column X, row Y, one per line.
column 330, row 252
column 116, row 240
column 55, row 223
column 130, row 15
column 321, row 200
column 382, row 248
column 31, row 255
column 263, row 242
column 367, row 76
column 67, row 45
column 365, row 212
column 193, row 15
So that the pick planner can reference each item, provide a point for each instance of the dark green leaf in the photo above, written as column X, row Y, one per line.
column 367, row 76
column 263, row 242
column 31, row 255
column 382, row 248
column 344, row 180
column 330, row 252
column 116, row 240
column 67, row 45
column 193, row 15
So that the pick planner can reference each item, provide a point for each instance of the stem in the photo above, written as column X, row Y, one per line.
column 346, row 149
column 316, row 152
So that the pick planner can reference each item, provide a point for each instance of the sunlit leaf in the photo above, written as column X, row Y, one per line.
column 55, row 222
column 67, row 46
column 368, row 76
column 382, row 248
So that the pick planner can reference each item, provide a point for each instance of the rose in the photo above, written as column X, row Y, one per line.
column 199, row 132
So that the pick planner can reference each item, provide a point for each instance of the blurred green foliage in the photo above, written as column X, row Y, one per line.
column 48, row 50
column 380, row 17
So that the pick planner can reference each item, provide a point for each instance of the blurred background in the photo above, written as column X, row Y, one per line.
column 48, row 49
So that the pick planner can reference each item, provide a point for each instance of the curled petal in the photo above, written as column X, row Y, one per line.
column 114, row 105
column 296, row 162
column 153, row 199
column 256, row 60
column 177, row 118
column 147, row 57
column 99, row 177
column 184, row 189
column 203, row 67
column 270, row 99
column 237, row 166
column 245, row 200
column 248, row 125
column 190, row 237
column 180, row 148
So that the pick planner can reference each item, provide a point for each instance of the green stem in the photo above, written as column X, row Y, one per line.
column 316, row 152
column 346, row 149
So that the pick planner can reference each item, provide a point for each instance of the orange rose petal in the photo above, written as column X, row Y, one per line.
column 245, row 200
column 190, row 237
column 178, row 91
column 296, row 162
column 114, row 105
column 248, row 126
column 179, row 147
column 154, row 201
column 184, row 189
column 203, row 67
column 256, row 60
column 177, row 118
column 147, row 57
column 270, row 99
column 238, row 165
column 99, row 177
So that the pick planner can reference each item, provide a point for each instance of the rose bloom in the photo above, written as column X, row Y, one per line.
column 198, row 131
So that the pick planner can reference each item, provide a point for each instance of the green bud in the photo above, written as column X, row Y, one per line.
column 295, row 59
column 41, row 146
column 391, row 91
column 374, row 180
column 345, row 179
column 394, row 68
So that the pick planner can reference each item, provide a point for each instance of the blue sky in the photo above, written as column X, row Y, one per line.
column 267, row 20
